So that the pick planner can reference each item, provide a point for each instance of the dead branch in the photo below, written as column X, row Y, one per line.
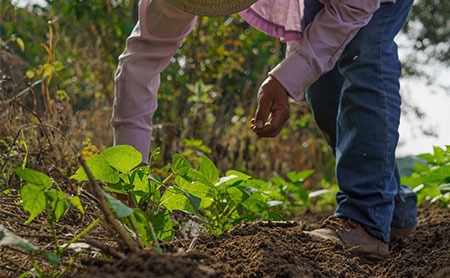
column 110, row 219
column 109, row 250
column 23, row 92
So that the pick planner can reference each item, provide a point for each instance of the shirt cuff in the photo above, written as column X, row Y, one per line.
column 295, row 74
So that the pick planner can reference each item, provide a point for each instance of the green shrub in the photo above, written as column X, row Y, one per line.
column 431, row 182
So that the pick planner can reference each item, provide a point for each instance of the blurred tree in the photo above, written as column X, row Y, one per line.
column 429, row 27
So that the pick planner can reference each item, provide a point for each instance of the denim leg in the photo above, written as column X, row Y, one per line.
column 405, row 211
column 323, row 96
column 367, row 122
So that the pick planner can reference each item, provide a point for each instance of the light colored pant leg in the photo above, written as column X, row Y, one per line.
column 149, row 49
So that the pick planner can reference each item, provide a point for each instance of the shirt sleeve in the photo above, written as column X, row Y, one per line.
column 323, row 43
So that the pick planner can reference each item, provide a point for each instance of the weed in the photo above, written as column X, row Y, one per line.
column 431, row 182
column 38, row 194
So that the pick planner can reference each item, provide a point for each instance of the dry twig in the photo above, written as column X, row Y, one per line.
column 105, row 249
column 110, row 219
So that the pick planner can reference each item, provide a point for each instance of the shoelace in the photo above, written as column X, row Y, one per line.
column 338, row 223
column 332, row 222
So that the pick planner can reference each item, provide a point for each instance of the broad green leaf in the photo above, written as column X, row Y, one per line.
column 255, row 204
column 139, row 182
column 140, row 221
column 235, row 194
column 419, row 167
column 429, row 191
column 75, row 201
column 140, row 194
column 174, row 199
column 122, row 157
column 304, row 174
column 182, row 182
column 119, row 208
column 163, row 225
column 180, row 165
column 303, row 195
column 292, row 176
column 426, row 156
column 29, row 74
column 20, row 43
column 238, row 174
column 9, row 238
column 439, row 154
column 199, row 176
column 204, row 149
column 255, row 185
column 412, row 180
column 247, row 190
column 273, row 216
column 33, row 200
column 34, row 177
column 440, row 175
column 100, row 168
column 58, row 66
column 201, row 191
column 195, row 201
column 224, row 180
column 116, row 187
column 208, row 168
column 278, row 181
column 47, row 70
column 52, row 257
column 58, row 201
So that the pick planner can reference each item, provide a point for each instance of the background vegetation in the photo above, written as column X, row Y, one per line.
column 58, row 62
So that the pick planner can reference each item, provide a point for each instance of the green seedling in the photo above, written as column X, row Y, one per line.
column 41, row 193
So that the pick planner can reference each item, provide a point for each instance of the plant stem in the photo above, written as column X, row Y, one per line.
column 50, row 219
column 33, row 262
column 75, row 257
column 52, row 271
column 230, row 212
column 168, row 177
column 85, row 231
column 155, row 239
column 138, row 237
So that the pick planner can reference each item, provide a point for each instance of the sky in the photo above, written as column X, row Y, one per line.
column 433, row 101
column 430, row 98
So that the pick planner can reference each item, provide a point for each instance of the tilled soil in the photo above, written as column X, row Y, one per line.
column 274, row 250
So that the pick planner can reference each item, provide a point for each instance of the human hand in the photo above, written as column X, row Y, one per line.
column 273, row 109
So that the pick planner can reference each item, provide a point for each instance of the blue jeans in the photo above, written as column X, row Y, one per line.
column 357, row 107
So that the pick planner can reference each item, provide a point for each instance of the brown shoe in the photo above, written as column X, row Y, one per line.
column 353, row 235
column 398, row 234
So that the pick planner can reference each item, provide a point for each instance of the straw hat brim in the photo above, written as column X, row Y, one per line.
column 212, row 7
